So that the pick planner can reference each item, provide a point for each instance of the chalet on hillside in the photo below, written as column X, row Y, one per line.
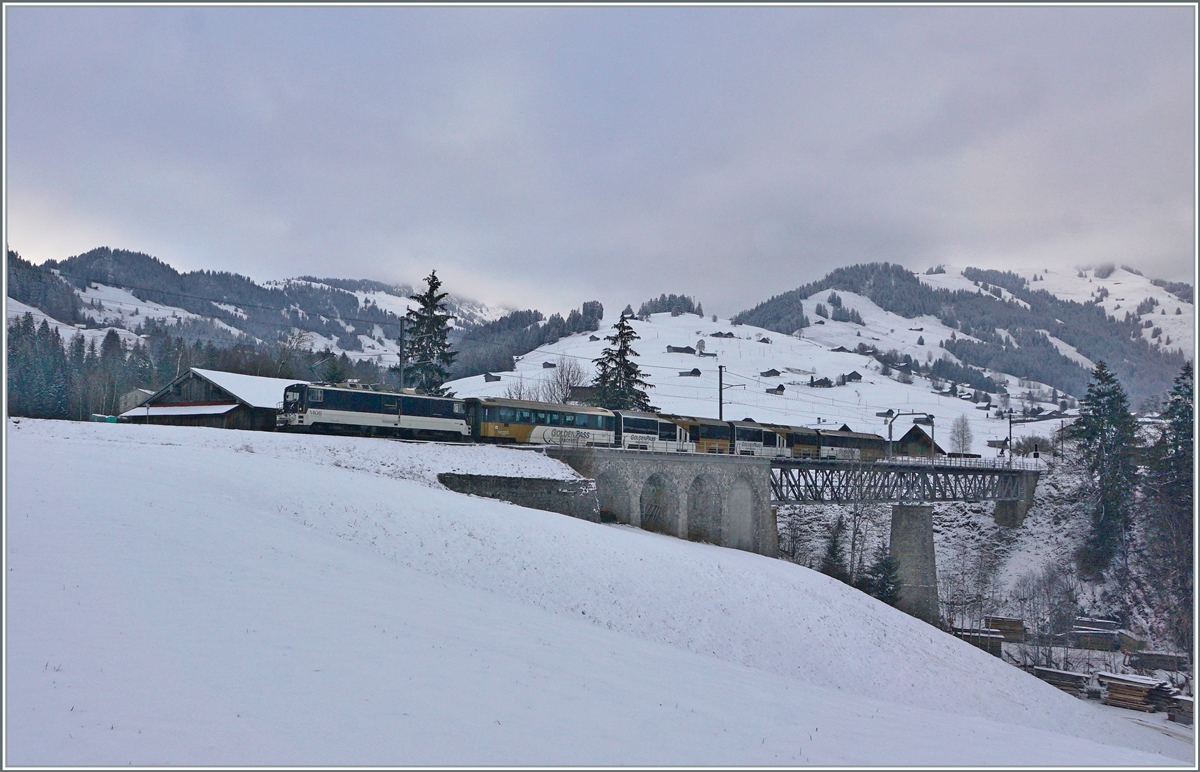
column 216, row 399
column 777, row 390
column 853, row 376
column 490, row 378
column 772, row 373
column 915, row 443
column 681, row 350
column 693, row 373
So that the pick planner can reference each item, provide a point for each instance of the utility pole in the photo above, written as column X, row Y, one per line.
column 720, row 392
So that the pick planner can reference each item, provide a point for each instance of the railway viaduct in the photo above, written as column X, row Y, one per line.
column 730, row 500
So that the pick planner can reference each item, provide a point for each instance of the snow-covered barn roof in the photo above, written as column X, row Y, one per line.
column 162, row 410
column 254, row 390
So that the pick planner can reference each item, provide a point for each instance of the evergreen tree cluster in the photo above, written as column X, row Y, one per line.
column 38, row 287
column 491, row 347
column 1169, row 508
column 881, row 579
column 52, row 378
column 1107, row 435
column 1179, row 289
column 673, row 304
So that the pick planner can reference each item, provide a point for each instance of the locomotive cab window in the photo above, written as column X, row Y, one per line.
column 316, row 395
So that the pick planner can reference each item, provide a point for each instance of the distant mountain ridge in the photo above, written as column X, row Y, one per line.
column 1000, row 302
column 227, row 303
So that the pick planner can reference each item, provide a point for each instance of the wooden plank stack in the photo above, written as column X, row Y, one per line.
column 1181, row 710
column 1073, row 684
column 1012, row 629
column 1134, row 692
column 1155, row 660
column 986, row 639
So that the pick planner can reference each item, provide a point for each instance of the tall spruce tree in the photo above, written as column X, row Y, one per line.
column 619, row 384
column 882, row 578
column 426, row 343
column 1169, row 514
column 1107, row 435
column 833, row 562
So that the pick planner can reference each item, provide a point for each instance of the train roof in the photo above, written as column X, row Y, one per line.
column 692, row 419
column 504, row 402
column 639, row 414
column 786, row 428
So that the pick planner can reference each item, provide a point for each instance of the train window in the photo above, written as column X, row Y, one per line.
column 316, row 395
column 291, row 396
column 555, row 419
column 524, row 416
column 714, row 432
column 459, row 408
column 610, row 423
column 506, row 415
column 389, row 403
column 569, row 419
column 539, row 417
column 694, row 432
column 666, row 431
column 749, row 435
column 641, row 425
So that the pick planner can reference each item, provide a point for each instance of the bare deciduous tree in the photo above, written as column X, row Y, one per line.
column 960, row 435
column 567, row 374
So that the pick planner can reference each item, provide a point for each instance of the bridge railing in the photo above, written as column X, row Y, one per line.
column 966, row 463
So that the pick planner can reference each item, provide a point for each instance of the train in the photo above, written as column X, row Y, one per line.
column 372, row 410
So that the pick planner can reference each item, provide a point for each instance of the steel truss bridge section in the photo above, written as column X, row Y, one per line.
column 810, row 482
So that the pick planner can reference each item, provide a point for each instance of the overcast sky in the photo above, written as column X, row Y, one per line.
column 547, row 156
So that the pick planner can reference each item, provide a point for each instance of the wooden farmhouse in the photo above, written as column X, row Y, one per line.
column 216, row 399
column 916, row 443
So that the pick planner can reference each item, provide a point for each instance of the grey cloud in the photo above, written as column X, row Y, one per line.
column 546, row 156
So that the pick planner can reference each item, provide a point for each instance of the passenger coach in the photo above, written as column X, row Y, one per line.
column 370, row 409
column 540, row 423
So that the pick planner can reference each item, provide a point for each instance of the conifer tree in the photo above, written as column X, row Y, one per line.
column 1107, row 436
column 426, row 343
column 1169, row 513
column 619, row 384
column 882, row 579
column 833, row 562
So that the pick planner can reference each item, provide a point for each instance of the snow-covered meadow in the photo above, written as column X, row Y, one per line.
column 754, row 351
column 197, row 596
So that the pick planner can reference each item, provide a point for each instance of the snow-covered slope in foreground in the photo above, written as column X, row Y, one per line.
column 193, row 596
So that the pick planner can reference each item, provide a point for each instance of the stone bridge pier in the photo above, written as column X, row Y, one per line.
column 722, row 500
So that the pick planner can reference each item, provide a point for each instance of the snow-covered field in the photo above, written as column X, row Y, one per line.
column 746, row 357
column 197, row 596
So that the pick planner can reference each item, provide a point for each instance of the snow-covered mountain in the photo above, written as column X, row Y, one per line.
column 1121, row 291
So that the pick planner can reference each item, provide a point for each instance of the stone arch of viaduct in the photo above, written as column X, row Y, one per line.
column 724, row 501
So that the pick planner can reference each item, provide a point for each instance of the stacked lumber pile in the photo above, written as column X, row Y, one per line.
column 1155, row 660
column 1134, row 692
column 1012, row 629
column 987, row 639
column 1181, row 710
column 1071, row 683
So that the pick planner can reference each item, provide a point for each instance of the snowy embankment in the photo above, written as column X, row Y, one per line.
column 194, row 596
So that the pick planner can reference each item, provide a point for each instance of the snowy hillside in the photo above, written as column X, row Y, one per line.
column 747, row 355
column 1125, row 291
column 242, row 598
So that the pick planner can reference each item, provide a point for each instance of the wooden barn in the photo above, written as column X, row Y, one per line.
column 215, row 399
column 916, row 443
